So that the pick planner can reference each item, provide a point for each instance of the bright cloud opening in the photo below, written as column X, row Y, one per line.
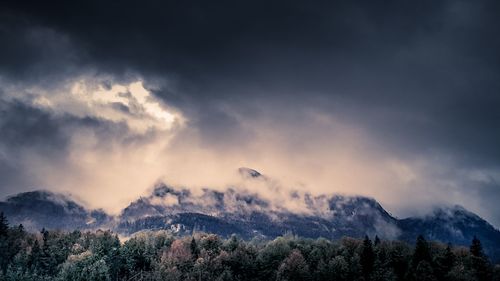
column 129, row 103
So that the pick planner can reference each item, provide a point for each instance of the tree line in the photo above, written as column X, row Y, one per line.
column 160, row 255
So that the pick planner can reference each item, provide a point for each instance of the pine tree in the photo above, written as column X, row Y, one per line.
column 367, row 258
column 20, row 228
column 399, row 262
column 476, row 249
column 46, row 263
column 421, row 253
column 34, row 256
column 444, row 263
column 4, row 225
column 377, row 241
column 195, row 252
column 424, row 272
column 479, row 262
column 4, row 243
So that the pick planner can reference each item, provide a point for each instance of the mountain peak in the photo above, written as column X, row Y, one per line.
column 454, row 212
column 40, row 195
column 249, row 173
column 162, row 190
column 45, row 209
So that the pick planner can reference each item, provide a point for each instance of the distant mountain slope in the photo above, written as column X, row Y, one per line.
column 44, row 209
column 240, row 211
column 455, row 225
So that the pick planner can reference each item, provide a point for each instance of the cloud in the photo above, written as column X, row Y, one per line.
column 397, row 102
column 131, row 104
column 76, row 139
column 96, row 150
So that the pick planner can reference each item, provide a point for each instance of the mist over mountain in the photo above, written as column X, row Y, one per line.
column 455, row 225
column 240, row 211
column 397, row 102
column 123, row 124
column 44, row 209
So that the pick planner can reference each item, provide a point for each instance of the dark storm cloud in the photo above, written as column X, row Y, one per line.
column 422, row 77
column 423, row 73
column 25, row 129
column 29, row 132
column 25, row 126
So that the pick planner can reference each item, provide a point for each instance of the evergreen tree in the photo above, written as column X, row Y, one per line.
column 4, row 243
column 421, row 253
column 46, row 264
column 476, row 249
column 4, row 225
column 479, row 262
column 195, row 252
column 382, row 269
column 112, row 256
column 367, row 258
column 399, row 261
column 34, row 256
column 443, row 263
column 377, row 240
column 424, row 272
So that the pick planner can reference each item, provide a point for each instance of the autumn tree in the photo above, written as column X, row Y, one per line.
column 293, row 268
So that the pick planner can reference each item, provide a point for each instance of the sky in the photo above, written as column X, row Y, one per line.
column 396, row 100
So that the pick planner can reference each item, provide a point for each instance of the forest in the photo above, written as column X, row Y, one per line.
column 160, row 255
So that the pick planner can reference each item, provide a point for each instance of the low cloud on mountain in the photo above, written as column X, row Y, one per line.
column 397, row 102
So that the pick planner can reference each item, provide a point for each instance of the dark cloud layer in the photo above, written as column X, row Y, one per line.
column 421, row 77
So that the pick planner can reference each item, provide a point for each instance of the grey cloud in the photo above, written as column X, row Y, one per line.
column 29, row 133
column 25, row 126
column 421, row 78
column 488, row 197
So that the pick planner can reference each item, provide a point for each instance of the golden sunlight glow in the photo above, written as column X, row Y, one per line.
column 132, row 104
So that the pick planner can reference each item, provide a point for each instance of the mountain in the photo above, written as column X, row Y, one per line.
column 272, row 212
column 44, row 209
column 248, row 214
column 455, row 225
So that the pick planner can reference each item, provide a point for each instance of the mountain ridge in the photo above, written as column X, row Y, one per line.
column 248, row 214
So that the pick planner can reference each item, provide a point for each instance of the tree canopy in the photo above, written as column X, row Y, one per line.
column 160, row 255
